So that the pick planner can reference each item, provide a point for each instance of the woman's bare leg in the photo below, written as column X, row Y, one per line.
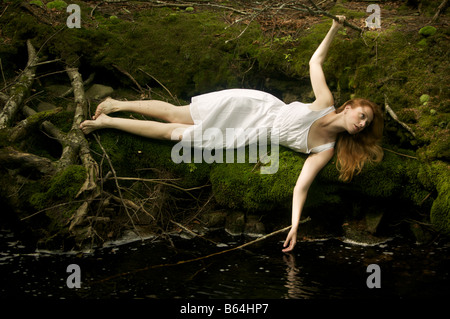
column 150, row 129
column 158, row 109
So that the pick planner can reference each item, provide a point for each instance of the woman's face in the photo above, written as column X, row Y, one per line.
column 358, row 118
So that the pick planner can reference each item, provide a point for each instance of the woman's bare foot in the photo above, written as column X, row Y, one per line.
column 109, row 105
column 89, row 126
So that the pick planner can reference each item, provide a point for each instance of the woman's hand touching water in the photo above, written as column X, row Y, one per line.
column 290, row 241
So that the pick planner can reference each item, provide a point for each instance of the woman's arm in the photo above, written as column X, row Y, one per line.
column 313, row 164
column 323, row 95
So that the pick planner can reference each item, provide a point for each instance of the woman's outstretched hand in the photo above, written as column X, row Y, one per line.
column 291, row 240
column 340, row 23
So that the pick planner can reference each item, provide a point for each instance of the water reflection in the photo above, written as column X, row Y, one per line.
column 295, row 283
column 316, row 270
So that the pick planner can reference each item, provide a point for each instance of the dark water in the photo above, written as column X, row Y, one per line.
column 329, row 269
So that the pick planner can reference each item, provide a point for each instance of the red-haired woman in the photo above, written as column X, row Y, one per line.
column 354, row 130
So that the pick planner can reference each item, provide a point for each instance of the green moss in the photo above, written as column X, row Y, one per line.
column 242, row 186
column 440, row 211
column 175, row 60
column 58, row 5
column 37, row 2
column 63, row 186
column 132, row 155
column 63, row 120
column 427, row 31
column 424, row 98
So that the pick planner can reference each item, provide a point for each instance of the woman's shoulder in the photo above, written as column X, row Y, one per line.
column 319, row 105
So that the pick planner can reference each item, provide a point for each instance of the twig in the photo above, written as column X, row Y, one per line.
column 131, row 204
column 3, row 75
column 395, row 117
column 191, row 233
column 115, row 179
column 20, row 89
column 47, row 62
column 202, row 257
column 409, row 156
column 160, row 181
column 170, row 93
column 85, row 83
column 130, row 77
column 180, row 4
column 325, row 13
column 440, row 9
column 54, row 206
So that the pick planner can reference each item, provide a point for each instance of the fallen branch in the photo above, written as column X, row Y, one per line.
column 440, row 9
column 41, row 164
column 85, row 83
column 77, row 136
column 24, row 127
column 203, row 257
column 21, row 89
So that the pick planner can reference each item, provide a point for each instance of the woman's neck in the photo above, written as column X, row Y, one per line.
column 333, row 123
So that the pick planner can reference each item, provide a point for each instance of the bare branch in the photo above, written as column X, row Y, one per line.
column 21, row 89
column 80, row 99
column 440, row 9
column 43, row 165
column 85, row 83
column 395, row 117
column 21, row 130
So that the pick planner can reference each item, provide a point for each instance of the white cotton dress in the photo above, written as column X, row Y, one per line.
column 256, row 115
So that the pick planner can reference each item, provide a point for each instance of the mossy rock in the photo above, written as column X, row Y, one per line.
column 440, row 211
column 428, row 31
column 63, row 186
column 131, row 155
column 37, row 2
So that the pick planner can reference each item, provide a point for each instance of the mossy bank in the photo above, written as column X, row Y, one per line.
column 174, row 53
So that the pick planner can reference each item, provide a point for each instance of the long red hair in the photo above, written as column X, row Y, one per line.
column 353, row 151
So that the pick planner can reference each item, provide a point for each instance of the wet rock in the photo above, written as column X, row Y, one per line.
column 58, row 89
column 373, row 220
column 355, row 231
column 254, row 227
column 427, row 31
column 45, row 106
column 421, row 233
column 214, row 219
column 99, row 91
column 235, row 223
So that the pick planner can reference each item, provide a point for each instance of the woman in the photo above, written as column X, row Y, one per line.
column 354, row 129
